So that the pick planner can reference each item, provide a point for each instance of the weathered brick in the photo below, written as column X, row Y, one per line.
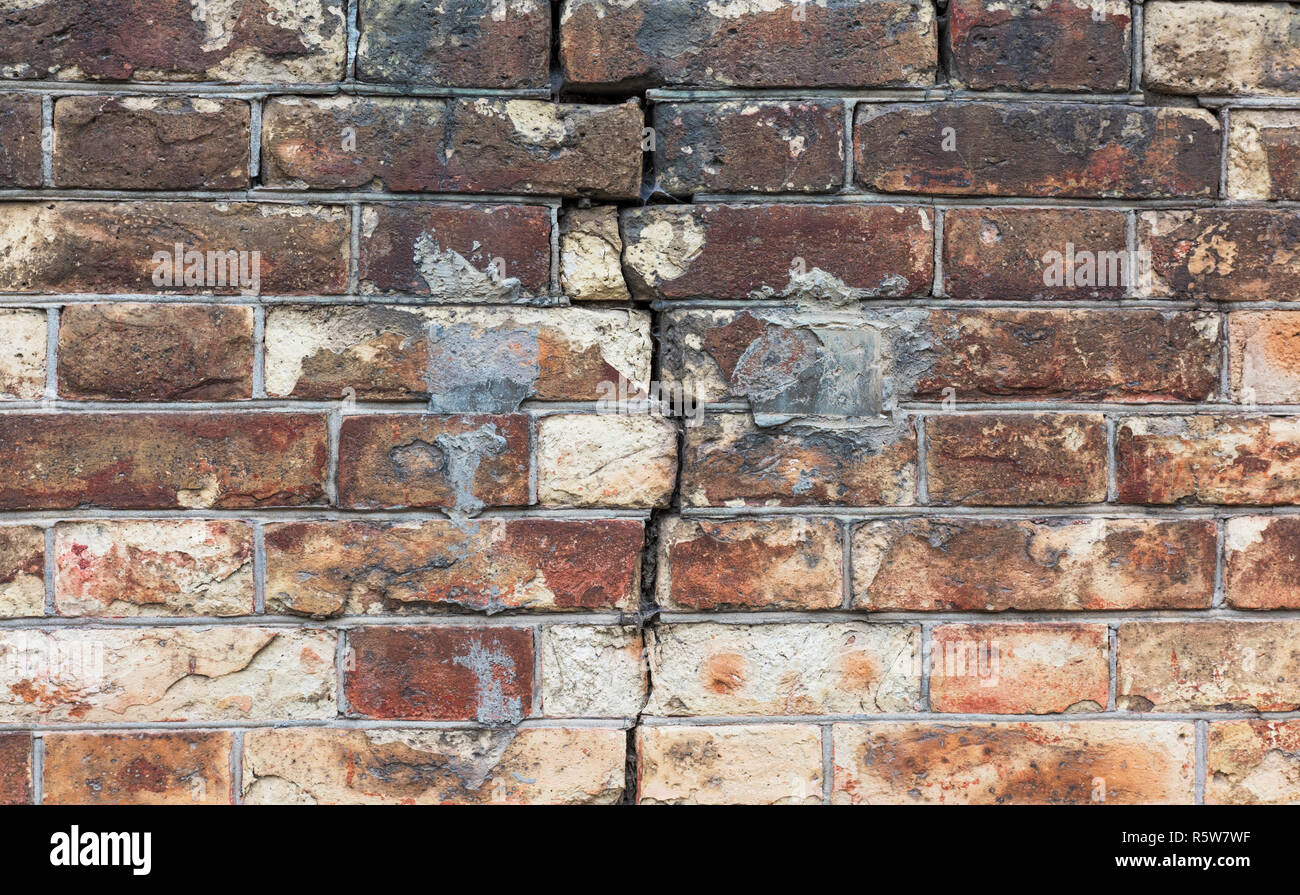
column 461, row 463
column 1055, row 763
column 1024, row 459
column 143, row 352
column 151, row 143
column 1071, row 355
column 1253, row 762
column 125, row 675
column 23, row 335
column 768, row 764
column 133, row 460
column 1260, row 557
column 57, row 247
column 1183, row 47
column 1208, row 459
column 1068, row 45
column 365, row 568
column 1033, row 565
column 797, row 251
column 1264, row 357
column 159, row 40
column 592, row 671
column 479, row 145
column 1037, row 149
column 1221, row 254
column 189, row 767
column 299, row 765
column 440, row 673
column 1179, row 666
column 741, row 147
column 606, row 460
column 461, row 253
column 784, row 669
column 462, row 43
column 22, row 571
column 157, row 567
column 728, row 461
column 1003, row 253
column 20, row 139
column 1019, row 669
column 779, row 563
column 591, row 255
column 1264, row 154
column 617, row 45
column 16, row 769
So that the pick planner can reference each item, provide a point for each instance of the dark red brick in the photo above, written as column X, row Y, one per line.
column 20, row 139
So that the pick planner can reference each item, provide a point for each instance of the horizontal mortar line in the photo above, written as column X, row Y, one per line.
column 277, row 196
column 314, row 514
column 991, row 618
column 238, row 90
column 1126, row 409
column 936, row 200
column 934, row 94
column 287, row 405
column 650, row 720
column 868, row 306
column 326, row 723
column 52, row 299
column 514, row 619
column 1250, row 102
column 1117, row 510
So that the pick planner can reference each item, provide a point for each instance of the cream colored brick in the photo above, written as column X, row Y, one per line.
column 591, row 671
column 749, row 765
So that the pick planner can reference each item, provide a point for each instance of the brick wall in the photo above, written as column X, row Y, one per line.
column 969, row 471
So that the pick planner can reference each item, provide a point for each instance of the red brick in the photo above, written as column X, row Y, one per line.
column 455, row 252
column 1037, row 149
column 830, row 252
column 1221, row 254
column 20, row 139
column 1019, row 669
column 1016, row 460
column 140, row 352
column 163, row 460
column 440, row 673
column 1261, row 557
column 450, row 462
column 1054, row 45
column 151, row 143
column 190, row 767
column 110, row 247
column 1209, row 459
column 609, row 44
column 1041, row 565
column 15, row 769
column 741, row 147
column 365, row 568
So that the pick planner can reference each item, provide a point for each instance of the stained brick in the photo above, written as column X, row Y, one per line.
column 1264, row 357
column 23, row 337
column 1252, row 762
column 1260, row 562
column 16, row 769
column 592, row 671
column 1221, row 254
column 188, row 767
column 606, row 460
column 766, row 764
column 22, row 571
column 1183, row 50
column 20, row 139
column 1264, row 154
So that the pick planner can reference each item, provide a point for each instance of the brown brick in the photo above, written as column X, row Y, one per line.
column 20, row 139
column 1054, row 763
column 765, row 764
column 142, row 352
column 15, row 769
column 1037, row 149
column 999, row 253
column 23, row 342
column 134, row 460
column 1253, row 762
column 1053, row 45
column 1264, row 355
column 726, row 460
column 833, row 252
column 153, row 567
column 781, row 563
column 610, row 44
column 1183, row 48
column 440, row 673
column 479, row 146
column 1221, row 254
column 56, row 247
column 1019, row 669
column 466, row 43
column 1072, row 355
column 189, row 767
column 151, row 143
column 1209, row 459
column 1089, row 564
column 1260, row 562
column 1024, row 459
column 1264, row 154
column 741, row 147
column 450, row 462
column 22, row 571
column 1182, row 666
column 606, row 460
column 299, row 765
column 364, row 568
column 159, row 40
column 469, row 253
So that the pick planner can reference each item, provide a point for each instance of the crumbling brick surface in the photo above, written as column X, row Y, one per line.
column 649, row 401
